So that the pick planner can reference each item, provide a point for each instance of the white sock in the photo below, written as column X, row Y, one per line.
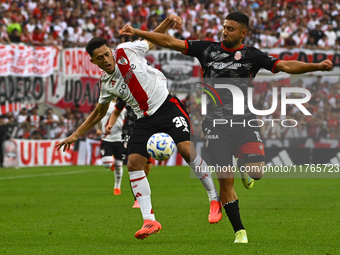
column 141, row 190
column 201, row 170
column 118, row 173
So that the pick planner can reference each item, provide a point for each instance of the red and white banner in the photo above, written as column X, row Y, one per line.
column 76, row 63
column 23, row 60
column 31, row 75
column 42, row 153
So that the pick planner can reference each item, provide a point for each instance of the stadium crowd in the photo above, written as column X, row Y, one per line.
column 312, row 24
column 304, row 24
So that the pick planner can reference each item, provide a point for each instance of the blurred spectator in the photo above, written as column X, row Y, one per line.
column 38, row 36
column 331, row 35
column 317, row 33
column 22, row 117
column 4, row 135
column 300, row 38
column 324, row 43
column 78, row 115
column 25, row 36
column 14, row 25
column 4, row 38
column 34, row 120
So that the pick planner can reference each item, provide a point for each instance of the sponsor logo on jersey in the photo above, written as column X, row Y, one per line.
column 113, row 82
column 122, row 61
column 224, row 55
column 222, row 65
column 214, row 54
column 219, row 65
column 212, row 137
column 238, row 55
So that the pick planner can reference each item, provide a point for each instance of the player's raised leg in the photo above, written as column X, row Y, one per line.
column 200, row 168
column 141, row 190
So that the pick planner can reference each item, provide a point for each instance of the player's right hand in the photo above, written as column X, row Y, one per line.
column 66, row 143
column 108, row 129
column 99, row 132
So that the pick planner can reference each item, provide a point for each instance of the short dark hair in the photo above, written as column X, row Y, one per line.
column 95, row 43
column 239, row 17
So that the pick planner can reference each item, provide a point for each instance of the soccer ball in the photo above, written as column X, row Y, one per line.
column 160, row 146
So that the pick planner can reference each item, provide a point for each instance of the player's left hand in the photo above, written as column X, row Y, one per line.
column 128, row 30
column 326, row 65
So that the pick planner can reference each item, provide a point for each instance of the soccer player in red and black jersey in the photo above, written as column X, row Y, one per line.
column 230, row 62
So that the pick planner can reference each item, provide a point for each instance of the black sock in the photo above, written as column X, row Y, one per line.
column 233, row 212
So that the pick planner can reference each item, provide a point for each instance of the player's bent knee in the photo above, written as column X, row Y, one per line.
column 107, row 161
column 187, row 150
column 136, row 162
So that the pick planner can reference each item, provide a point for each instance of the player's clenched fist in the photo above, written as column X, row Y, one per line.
column 326, row 65
column 128, row 30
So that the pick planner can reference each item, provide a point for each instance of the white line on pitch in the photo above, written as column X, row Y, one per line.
column 49, row 174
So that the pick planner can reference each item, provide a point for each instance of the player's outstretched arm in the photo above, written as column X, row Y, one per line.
column 92, row 120
column 162, row 40
column 297, row 67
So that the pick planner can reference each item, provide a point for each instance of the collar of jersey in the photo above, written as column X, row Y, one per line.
column 106, row 76
column 225, row 48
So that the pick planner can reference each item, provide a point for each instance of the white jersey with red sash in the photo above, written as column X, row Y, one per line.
column 140, row 85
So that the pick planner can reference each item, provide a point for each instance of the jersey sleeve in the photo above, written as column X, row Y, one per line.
column 196, row 49
column 141, row 47
column 105, row 96
column 264, row 60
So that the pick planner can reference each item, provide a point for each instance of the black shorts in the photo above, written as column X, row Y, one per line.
column 225, row 140
column 171, row 118
column 111, row 149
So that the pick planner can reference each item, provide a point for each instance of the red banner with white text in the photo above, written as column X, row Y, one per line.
column 42, row 153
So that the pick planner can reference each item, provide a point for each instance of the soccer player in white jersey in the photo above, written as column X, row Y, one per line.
column 111, row 145
column 127, row 75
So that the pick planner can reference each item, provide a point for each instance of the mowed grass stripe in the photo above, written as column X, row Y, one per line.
column 40, row 175
column 78, row 214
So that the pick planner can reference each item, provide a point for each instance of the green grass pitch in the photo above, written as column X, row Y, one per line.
column 72, row 210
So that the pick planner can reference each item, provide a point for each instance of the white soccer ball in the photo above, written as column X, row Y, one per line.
column 160, row 146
